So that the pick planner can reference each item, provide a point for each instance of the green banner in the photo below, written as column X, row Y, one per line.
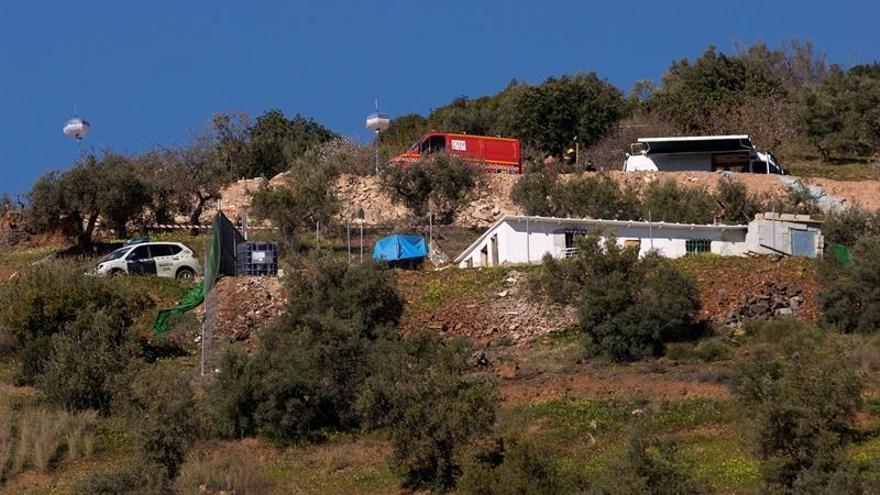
column 198, row 293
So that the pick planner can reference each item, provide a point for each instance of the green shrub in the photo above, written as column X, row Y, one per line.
column 46, row 298
column 312, row 361
column 652, row 466
column 850, row 296
column 798, row 198
column 161, row 405
column 136, row 477
column 705, row 351
column 737, row 205
column 535, row 192
column 847, row 226
column 309, row 192
column 596, row 196
column 669, row 202
column 630, row 316
column 520, row 467
column 561, row 281
column 440, row 182
column 421, row 391
column 362, row 294
column 89, row 360
column 801, row 396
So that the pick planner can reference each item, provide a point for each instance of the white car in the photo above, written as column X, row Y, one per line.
column 165, row 259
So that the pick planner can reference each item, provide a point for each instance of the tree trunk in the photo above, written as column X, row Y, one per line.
column 196, row 214
column 85, row 236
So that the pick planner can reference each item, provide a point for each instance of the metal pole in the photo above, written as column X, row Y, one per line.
column 650, row 229
column 244, row 222
column 348, row 236
column 377, row 150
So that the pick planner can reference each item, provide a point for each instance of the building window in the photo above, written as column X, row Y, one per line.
column 633, row 244
column 698, row 246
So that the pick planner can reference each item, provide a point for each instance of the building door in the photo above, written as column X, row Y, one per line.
column 493, row 242
column 803, row 243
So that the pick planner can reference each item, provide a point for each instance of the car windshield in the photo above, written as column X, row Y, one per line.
column 115, row 255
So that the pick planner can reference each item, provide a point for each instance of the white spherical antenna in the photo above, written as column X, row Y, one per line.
column 76, row 128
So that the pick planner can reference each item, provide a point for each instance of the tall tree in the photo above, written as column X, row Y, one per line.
column 550, row 115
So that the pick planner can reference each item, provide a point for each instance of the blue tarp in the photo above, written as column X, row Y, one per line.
column 400, row 247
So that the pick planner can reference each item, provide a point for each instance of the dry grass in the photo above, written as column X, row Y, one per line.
column 41, row 435
column 36, row 437
column 6, row 435
column 232, row 469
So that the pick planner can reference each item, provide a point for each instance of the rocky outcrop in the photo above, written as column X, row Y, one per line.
column 775, row 300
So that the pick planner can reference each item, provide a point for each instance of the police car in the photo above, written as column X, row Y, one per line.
column 164, row 259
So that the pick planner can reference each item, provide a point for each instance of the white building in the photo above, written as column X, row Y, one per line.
column 525, row 239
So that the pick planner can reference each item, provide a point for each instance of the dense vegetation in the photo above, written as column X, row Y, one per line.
column 547, row 193
column 790, row 99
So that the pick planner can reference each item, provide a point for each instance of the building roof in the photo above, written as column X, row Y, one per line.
column 591, row 222
column 698, row 144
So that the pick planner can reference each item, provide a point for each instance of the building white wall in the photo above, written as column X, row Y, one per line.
column 519, row 243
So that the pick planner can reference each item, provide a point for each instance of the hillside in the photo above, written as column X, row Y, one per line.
column 491, row 199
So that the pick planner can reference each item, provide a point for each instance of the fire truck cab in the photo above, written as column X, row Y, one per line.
column 488, row 154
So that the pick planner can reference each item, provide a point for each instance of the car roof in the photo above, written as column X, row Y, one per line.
column 154, row 243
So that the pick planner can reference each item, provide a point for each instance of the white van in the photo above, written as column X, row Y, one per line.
column 734, row 153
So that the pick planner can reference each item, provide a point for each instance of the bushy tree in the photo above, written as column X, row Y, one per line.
column 632, row 317
column 596, row 196
column 422, row 392
column 802, row 396
column 46, row 298
column 846, row 226
column 107, row 188
column 550, row 115
column 309, row 192
column 669, row 202
column 88, row 362
column 692, row 93
column 737, row 204
column 850, row 296
column 275, row 141
column 841, row 114
column 440, row 183
column 160, row 402
column 515, row 467
column 313, row 360
column 653, row 466
column 534, row 193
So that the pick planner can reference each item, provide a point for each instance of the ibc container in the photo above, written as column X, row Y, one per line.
column 256, row 258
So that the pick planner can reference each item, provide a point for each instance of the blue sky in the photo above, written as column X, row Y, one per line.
column 149, row 73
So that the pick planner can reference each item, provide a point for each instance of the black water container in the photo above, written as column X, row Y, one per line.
column 257, row 258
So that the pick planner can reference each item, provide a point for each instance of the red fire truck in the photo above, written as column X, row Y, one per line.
column 489, row 154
